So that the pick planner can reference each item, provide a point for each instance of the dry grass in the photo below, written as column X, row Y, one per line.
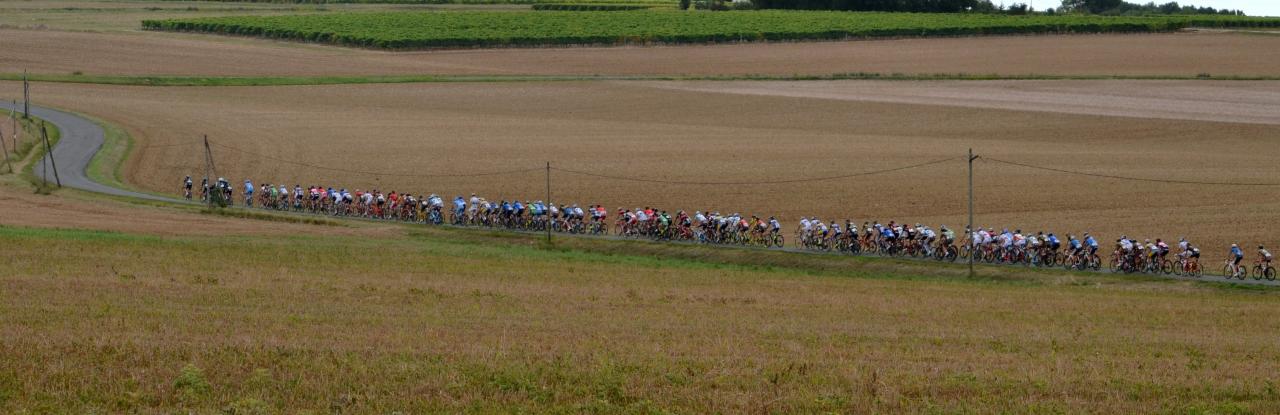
column 460, row 322
column 652, row 130
column 1182, row 54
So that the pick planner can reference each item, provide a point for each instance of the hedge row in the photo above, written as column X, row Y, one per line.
column 588, row 7
column 424, row 30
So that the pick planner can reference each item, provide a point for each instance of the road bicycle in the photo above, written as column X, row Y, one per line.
column 1188, row 267
column 1263, row 269
column 1230, row 270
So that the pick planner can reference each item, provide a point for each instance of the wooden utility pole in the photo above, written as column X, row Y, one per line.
column 4, row 147
column 48, row 150
column 209, row 171
column 972, row 248
column 13, row 116
column 549, row 201
column 26, row 96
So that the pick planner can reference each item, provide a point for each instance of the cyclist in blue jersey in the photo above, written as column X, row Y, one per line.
column 1237, row 255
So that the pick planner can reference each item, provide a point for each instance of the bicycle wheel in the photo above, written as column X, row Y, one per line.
column 1269, row 274
column 1257, row 272
column 1226, row 272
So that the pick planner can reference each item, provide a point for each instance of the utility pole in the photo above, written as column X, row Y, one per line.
column 548, row 200
column 5, row 147
column 209, row 171
column 972, row 251
column 49, row 154
column 13, row 116
column 26, row 96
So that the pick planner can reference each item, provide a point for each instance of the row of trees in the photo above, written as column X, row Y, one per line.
column 919, row 6
column 1123, row 7
column 986, row 6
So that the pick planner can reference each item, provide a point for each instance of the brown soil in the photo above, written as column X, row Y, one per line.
column 651, row 130
column 1181, row 54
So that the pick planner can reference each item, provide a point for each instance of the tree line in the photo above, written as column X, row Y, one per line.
column 1112, row 7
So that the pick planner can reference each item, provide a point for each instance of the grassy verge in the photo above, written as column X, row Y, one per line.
column 107, row 166
column 30, row 149
column 498, row 29
column 339, row 80
column 449, row 321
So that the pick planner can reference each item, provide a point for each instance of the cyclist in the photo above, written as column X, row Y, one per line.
column 1054, row 243
column 1091, row 244
column 459, row 205
column 1036, row 244
column 929, row 237
column 248, row 193
column 1237, row 255
column 1162, row 249
column 186, row 187
column 1125, row 248
column 948, row 236
column 269, row 191
column 774, row 226
column 1075, row 245
column 1264, row 256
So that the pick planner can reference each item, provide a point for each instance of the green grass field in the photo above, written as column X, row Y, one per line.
column 439, row 320
column 410, row 30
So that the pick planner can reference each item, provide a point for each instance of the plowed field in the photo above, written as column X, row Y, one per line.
column 1180, row 54
column 715, row 132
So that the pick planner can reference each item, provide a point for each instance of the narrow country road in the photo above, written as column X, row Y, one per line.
column 82, row 138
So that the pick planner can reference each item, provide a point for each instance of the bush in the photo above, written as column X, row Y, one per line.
column 191, row 382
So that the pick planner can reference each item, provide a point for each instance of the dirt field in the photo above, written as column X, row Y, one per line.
column 1183, row 54
column 756, row 133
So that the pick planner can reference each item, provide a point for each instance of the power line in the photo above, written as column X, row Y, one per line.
column 169, row 145
column 371, row 173
column 810, row 179
column 1115, row 177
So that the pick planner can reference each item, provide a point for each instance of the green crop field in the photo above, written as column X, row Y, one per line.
column 488, row 29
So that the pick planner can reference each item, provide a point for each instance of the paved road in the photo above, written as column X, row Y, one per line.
column 81, row 139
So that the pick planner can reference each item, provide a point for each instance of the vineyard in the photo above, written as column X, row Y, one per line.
column 425, row 30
